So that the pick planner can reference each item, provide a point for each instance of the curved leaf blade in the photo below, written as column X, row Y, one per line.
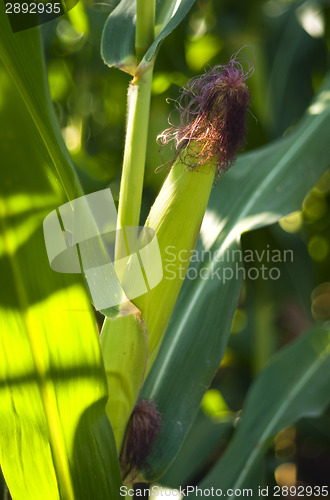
column 118, row 38
column 188, row 358
column 297, row 390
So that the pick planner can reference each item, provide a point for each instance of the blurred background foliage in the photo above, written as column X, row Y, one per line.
column 289, row 41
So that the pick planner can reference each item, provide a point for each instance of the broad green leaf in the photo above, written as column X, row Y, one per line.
column 56, row 440
column 118, row 40
column 22, row 55
column 205, row 440
column 125, row 351
column 195, row 339
column 262, row 187
column 299, row 378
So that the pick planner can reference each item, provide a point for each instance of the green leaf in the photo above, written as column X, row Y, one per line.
column 204, row 441
column 22, row 55
column 299, row 378
column 191, row 350
column 262, row 187
column 56, row 440
column 118, row 39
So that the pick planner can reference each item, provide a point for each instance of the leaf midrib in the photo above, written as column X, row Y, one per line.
column 286, row 400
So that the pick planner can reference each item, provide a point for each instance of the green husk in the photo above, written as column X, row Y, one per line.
column 125, row 343
column 176, row 218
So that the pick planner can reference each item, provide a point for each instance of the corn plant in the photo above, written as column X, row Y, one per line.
column 88, row 414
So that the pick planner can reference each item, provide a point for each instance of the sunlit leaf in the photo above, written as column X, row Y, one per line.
column 56, row 440
column 22, row 55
